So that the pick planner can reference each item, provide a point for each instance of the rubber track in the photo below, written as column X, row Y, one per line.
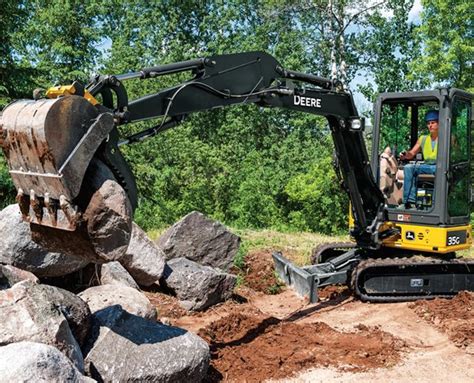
column 320, row 249
column 415, row 260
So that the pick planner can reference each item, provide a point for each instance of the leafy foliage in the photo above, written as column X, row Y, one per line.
column 6, row 185
column 245, row 166
column 387, row 47
column 447, row 35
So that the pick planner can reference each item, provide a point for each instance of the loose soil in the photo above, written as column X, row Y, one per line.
column 453, row 316
column 259, row 336
column 252, row 349
column 259, row 273
column 334, row 293
column 167, row 306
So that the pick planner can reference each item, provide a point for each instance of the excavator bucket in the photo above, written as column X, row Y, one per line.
column 48, row 145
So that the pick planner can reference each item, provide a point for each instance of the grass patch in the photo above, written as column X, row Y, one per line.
column 240, row 280
column 239, row 258
column 295, row 246
column 466, row 253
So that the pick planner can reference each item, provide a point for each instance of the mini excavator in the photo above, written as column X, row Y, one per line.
column 397, row 253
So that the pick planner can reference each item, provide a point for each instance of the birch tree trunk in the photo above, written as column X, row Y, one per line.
column 333, row 41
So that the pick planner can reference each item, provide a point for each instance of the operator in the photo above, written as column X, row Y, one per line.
column 428, row 144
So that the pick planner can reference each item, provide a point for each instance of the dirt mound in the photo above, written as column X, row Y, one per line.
column 453, row 316
column 251, row 348
column 259, row 273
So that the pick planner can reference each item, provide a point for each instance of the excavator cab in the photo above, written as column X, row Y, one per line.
column 440, row 191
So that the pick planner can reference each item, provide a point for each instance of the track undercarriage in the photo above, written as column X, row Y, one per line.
column 374, row 277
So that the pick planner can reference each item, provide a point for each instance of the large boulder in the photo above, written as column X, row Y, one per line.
column 37, row 362
column 18, row 249
column 197, row 287
column 28, row 313
column 143, row 259
column 104, row 232
column 131, row 300
column 113, row 273
column 128, row 348
column 75, row 310
column 10, row 275
column 202, row 240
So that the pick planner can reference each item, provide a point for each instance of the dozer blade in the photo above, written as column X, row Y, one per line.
column 48, row 145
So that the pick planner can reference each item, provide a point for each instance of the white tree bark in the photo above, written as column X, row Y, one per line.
column 330, row 14
column 339, row 18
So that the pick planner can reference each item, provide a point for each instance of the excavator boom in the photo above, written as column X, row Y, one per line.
column 49, row 143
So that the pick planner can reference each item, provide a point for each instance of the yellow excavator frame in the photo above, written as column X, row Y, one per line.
column 433, row 239
column 425, row 238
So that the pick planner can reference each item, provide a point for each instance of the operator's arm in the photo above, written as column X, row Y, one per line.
column 412, row 152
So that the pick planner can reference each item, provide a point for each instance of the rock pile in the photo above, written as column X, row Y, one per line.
column 109, row 332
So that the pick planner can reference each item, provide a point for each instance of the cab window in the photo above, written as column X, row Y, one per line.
column 403, row 124
column 459, row 154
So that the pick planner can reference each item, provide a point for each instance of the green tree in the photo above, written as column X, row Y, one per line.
column 242, row 165
column 16, row 78
column 386, row 47
column 446, row 32
column 59, row 39
column 7, row 191
column 214, row 160
column 318, row 202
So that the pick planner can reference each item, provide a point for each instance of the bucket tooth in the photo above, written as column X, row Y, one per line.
column 23, row 201
column 68, row 210
column 52, row 208
column 35, row 204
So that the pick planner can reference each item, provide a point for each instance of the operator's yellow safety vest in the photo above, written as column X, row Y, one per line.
column 429, row 153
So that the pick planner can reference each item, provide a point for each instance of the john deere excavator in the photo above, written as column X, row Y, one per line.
column 398, row 254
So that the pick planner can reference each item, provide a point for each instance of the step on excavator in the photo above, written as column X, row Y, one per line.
column 398, row 253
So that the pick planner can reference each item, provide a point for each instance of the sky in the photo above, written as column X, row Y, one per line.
column 415, row 12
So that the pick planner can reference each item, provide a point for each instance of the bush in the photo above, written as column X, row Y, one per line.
column 7, row 190
column 317, row 202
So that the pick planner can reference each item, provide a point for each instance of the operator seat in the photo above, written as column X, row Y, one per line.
column 390, row 182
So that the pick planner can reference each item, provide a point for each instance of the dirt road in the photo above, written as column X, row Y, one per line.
column 259, row 336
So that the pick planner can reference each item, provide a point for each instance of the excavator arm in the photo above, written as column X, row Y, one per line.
column 56, row 150
column 49, row 143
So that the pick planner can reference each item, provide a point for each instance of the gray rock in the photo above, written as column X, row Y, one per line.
column 143, row 259
column 27, row 314
column 18, row 249
column 10, row 275
column 128, row 348
column 197, row 287
column 104, row 232
column 37, row 362
column 109, row 220
column 74, row 309
column 113, row 273
column 202, row 240
column 131, row 300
